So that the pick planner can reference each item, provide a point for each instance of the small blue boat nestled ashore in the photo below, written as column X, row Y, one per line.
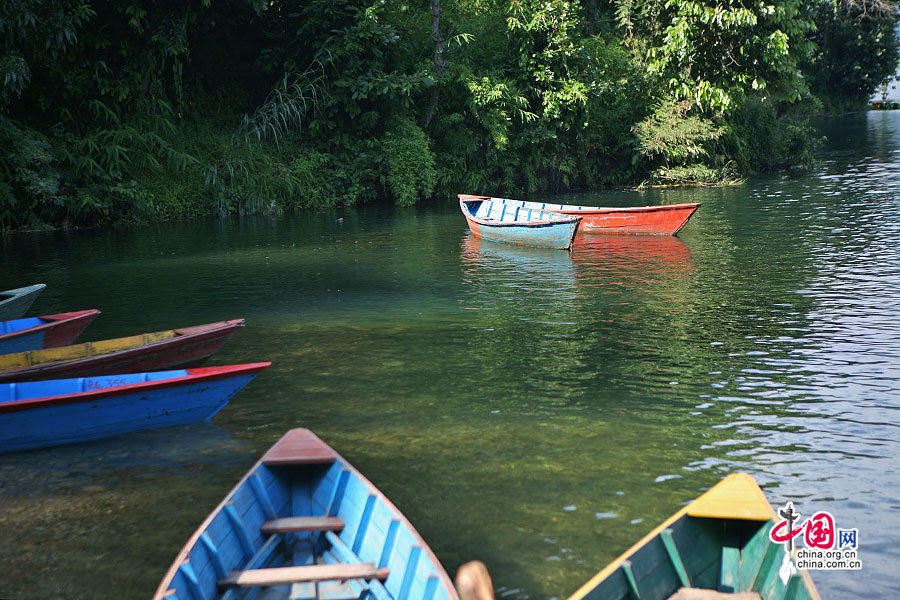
column 62, row 411
column 15, row 303
column 48, row 331
column 303, row 523
column 495, row 220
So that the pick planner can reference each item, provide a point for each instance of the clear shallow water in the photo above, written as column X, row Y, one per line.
column 534, row 409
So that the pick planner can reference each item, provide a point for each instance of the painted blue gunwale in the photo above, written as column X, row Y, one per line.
column 55, row 412
column 19, row 324
column 374, row 531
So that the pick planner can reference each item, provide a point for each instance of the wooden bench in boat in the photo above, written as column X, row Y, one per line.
column 703, row 594
column 295, row 524
column 308, row 573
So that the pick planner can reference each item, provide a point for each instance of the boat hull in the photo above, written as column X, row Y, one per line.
column 187, row 347
column 114, row 405
column 48, row 331
column 637, row 220
column 643, row 220
column 720, row 542
column 254, row 537
column 15, row 303
column 557, row 232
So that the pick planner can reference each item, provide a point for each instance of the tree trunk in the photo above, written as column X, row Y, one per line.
column 438, row 58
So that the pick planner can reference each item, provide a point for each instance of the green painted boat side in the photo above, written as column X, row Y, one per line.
column 721, row 553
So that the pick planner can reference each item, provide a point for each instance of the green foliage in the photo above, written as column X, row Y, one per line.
column 675, row 136
column 760, row 137
column 713, row 53
column 137, row 110
column 286, row 106
column 410, row 162
column 29, row 183
column 680, row 141
column 858, row 51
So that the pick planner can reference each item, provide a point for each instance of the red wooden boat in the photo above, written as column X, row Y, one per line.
column 645, row 220
column 174, row 348
column 48, row 331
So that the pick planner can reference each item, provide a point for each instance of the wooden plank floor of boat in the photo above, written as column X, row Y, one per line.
column 703, row 594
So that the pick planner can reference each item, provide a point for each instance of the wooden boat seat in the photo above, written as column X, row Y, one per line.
column 295, row 524
column 308, row 573
column 703, row 594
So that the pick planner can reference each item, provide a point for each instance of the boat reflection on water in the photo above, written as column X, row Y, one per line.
column 538, row 284
column 181, row 449
column 540, row 266
column 630, row 259
column 660, row 250
column 650, row 264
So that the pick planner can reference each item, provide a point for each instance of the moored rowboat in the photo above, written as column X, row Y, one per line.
column 494, row 220
column 303, row 523
column 717, row 547
column 15, row 303
column 62, row 411
column 48, row 331
column 174, row 348
column 647, row 220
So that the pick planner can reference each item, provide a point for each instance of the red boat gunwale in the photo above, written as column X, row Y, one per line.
column 185, row 339
column 195, row 375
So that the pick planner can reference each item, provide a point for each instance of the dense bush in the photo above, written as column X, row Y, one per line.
column 139, row 110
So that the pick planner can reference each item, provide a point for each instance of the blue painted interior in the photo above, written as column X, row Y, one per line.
column 20, row 324
column 373, row 532
column 58, row 387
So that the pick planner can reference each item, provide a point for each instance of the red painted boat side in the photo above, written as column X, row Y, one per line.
column 646, row 220
column 60, row 329
column 197, row 375
column 191, row 347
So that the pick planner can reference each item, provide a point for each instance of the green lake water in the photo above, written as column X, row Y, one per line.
column 534, row 409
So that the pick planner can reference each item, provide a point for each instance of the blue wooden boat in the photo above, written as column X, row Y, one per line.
column 61, row 411
column 15, row 303
column 495, row 220
column 303, row 523
column 48, row 331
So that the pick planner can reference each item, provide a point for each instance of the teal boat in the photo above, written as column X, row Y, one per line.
column 715, row 548
column 15, row 303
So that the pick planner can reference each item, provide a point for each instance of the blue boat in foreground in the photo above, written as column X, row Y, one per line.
column 495, row 220
column 303, row 523
column 53, row 412
column 15, row 303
